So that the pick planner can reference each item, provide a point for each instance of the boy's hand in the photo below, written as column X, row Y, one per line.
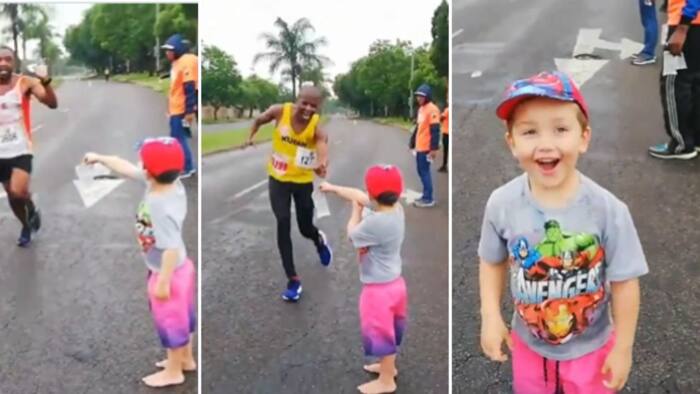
column 326, row 187
column 433, row 154
column 162, row 290
column 493, row 334
column 677, row 40
column 189, row 118
column 617, row 365
column 91, row 158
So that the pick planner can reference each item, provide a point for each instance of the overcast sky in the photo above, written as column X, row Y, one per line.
column 62, row 16
column 349, row 26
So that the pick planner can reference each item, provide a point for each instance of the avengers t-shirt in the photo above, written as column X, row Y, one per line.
column 561, row 263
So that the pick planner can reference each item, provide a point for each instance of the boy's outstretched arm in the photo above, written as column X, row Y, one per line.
column 492, row 283
column 355, row 216
column 116, row 164
column 625, row 310
column 167, row 267
column 347, row 193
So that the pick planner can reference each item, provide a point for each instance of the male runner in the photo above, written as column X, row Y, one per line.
column 16, row 137
column 299, row 148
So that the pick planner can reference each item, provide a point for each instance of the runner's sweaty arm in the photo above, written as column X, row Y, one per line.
column 272, row 113
column 40, row 87
column 322, row 151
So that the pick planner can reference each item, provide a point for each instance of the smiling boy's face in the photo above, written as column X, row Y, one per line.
column 547, row 136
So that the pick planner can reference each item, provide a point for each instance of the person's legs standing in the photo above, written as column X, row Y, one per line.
column 177, row 131
column 423, row 166
column 446, row 151
column 676, row 98
column 647, row 12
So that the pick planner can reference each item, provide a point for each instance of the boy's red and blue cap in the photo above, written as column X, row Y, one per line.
column 160, row 155
column 383, row 178
column 555, row 85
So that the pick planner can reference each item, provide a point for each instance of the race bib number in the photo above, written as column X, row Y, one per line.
column 8, row 134
column 306, row 158
column 279, row 163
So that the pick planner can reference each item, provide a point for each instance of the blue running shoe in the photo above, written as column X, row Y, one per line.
column 324, row 250
column 423, row 203
column 25, row 237
column 293, row 292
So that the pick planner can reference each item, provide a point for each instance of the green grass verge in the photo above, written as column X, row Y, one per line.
column 222, row 140
column 225, row 140
column 154, row 82
column 395, row 121
column 226, row 120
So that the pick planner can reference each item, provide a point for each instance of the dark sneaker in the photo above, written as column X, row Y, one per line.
column 25, row 237
column 324, row 250
column 442, row 169
column 423, row 203
column 643, row 60
column 666, row 151
column 293, row 292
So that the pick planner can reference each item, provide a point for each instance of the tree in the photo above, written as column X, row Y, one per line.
column 439, row 49
column 221, row 82
column 34, row 25
column 292, row 48
column 12, row 13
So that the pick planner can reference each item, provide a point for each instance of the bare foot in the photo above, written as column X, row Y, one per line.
column 377, row 387
column 189, row 366
column 374, row 368
column 164, row 378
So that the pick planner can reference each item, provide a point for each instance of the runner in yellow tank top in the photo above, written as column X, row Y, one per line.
column 299, row 149
column 16, row 137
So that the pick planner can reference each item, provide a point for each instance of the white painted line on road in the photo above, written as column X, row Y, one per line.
column 664, row 34
column 37, row 128
column 337, row 142
column 477, row 74
column 589, row 39
column 580, row 70
column 411, row 195
column 64, row 110
column 458, row 32
column 93, row 191
column 248, row 190
column 89, row 84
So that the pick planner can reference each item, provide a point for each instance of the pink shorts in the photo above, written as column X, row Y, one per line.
column 383, row 317
column 533, row 373
column 174, row 318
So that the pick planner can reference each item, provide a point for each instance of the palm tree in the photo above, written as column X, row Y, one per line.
column 291, row 47
column 12, row 13
column 34, row 25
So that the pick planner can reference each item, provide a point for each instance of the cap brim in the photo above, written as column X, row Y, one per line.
column 505, row 109
column 167, row 47
column 420, row 94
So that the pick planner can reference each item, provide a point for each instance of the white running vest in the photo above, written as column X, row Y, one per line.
column 14, row 136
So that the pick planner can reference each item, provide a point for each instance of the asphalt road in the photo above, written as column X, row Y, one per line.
column 256, row 343
column 73, row 309
column 507, row 40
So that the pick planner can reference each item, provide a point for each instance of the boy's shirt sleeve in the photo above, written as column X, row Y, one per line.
column 624, row 254
column 492, row 246
column 364, row 234
column 165, row 228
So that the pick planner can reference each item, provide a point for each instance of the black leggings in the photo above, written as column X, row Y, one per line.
column 281, row 194
column 446, row 149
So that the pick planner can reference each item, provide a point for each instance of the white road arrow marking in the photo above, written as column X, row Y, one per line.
column 580, row 70
column 91, row 191
column 458, row 32
column 589, row 39
column 411, row 195
column 477, row 74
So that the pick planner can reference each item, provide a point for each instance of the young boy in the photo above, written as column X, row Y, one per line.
column 171, row 274
column 376, row 229
column 572, row 249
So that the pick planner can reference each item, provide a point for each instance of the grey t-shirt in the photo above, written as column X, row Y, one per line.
column 561, row 263
column 159, row 225
column 378, row 239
